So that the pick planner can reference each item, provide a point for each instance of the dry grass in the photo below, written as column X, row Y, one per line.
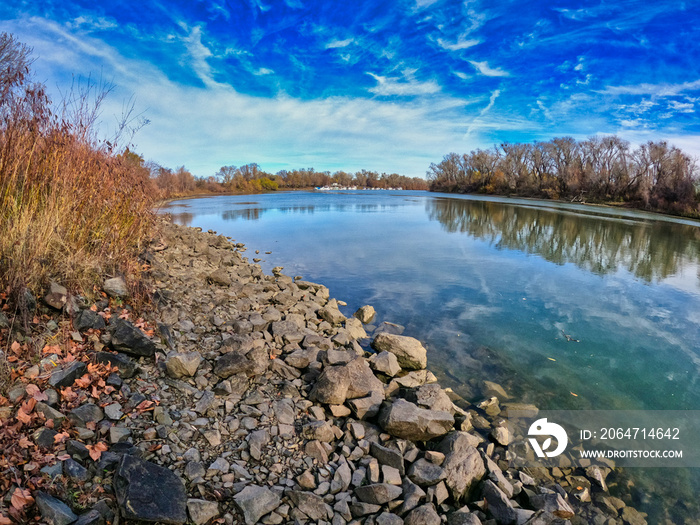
column 71, row 207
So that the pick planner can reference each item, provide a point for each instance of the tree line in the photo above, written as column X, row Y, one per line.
column 250, row 178
column 655, row 175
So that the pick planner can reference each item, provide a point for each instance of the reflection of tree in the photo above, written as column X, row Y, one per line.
column 649, row 250
column 184, row 218
column 249, row 214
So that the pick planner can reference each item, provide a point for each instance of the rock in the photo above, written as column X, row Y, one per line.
column 631, row 516
column 57, row 296
column 463, row 517
column 391, row 475
column 86, row 320
column 115, row 287
column 53, row 510
column 387, row 518
column 92, row 517
column 423, row 515
column 362, row 381
column 220, row 277
column 363, row 509
column 499, row 505
column 43, row 437
column 388, row 456
column 501, row 435
column 118, row 434
column 233, row 363
column 183, row 364
column 378, row 493
column 316, row 450
column 331, row 315
column 130, row 340
column 113, row 411
column 552, row 504
column 332, row 385
column 463, row 464
column 386, row 363
column 74, row 470
column 425, row 474
column 67, row 375
column 148, row 492
column 256, row 441
column 409, row 351
column 367, row 407
column 307, row 481
column 320, row 430
column 354, row 328
column 434, row 456
column 407, row 421
column 127, row 366
column 255, row 502
column 84, row 414
column 49, row 413
column 432, row 397
column 341, row 478
column 201, row 511
column 365, row 314
column 491, row 389
column 310, row 504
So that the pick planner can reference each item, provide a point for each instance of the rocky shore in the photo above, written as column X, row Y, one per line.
column 250, row 398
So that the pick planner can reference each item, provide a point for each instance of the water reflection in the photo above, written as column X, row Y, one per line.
column 601, row 245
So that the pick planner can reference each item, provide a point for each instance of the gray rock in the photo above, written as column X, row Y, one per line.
column 630, row 516
column 367, row 407
column 409, row 351
column 363, row 509
column 341, row 478
column 234, row 363
column 491, row 389
column 194, row 470
column 310, row 504
column 463, row 464
column 354, row 328
column 146, row 491
column 378, row 493
column 130, row 340
column 499, row 505
column 463, row 517
column 496, row 475
column 57, row 296
column 331, row 315
column 118, row 434
column 43, row 437
column 256, row 441
column 362, row 381
column 255, row 502
column 387, row 456
column 220, row 277
column 183, row 364
column 86, row 320
column 387, row 518
column 49, row 413
column 127, row 366
column 53, row 510
column 432, row 397
column 92, row 517
column 320, row 430
column 386, row 363
column 365, row 314
column 116, row 287
column 425, row 474
column 67, row 375
column 201, row 511
column 332, row 385
column 84, row 414
column 552, row 504
column 74, row 470
column 407, row 421
column 113, row 411
column 423, row 515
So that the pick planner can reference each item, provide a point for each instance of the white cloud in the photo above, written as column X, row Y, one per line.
column 339, row 43
column 682, row 107
column 387, row 86
column 264, row 71
column 461, row 75
column 659, row 90
column 459, row 45
column 486, row 70
column 478, row 120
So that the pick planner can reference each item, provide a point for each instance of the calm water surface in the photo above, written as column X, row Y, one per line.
column 567, row 306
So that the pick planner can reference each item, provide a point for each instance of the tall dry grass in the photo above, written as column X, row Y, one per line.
column 71, row 206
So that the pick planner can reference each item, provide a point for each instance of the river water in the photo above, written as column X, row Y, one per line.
column 566, row 306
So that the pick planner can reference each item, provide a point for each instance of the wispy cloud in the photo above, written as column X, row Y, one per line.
column 475, row 123
column 402, row 87
column 659, row 90
column 334, row 44
column 486, row 70
column 459, row 45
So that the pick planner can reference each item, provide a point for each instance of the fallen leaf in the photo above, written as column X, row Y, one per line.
column 4, row 520
column 63, row 457
column 24, row 442
column 96, row 450
column 52, row 349
column 144, row 406
column 15, row 347
column 21, row 498
column 61, row 437
column 35, row 392
column 83, row 382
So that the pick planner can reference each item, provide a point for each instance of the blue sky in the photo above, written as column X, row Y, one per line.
column 389, row 86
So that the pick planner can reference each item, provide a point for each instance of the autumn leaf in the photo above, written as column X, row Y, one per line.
column 63, row 457
column 35, row 392
column 60, row 437
column 93, row 308
column 83, row 382
column 68, row 394
column 96, row 450
column 21, row 498
column 51, row 349
column 144, row 406
column 4, row 520
column 24, row 442
column 15, row 347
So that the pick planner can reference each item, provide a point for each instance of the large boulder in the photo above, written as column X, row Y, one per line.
column 409, row 351
column 463, row 465
column 332, row 385
column 405, row 420
column 148, row 492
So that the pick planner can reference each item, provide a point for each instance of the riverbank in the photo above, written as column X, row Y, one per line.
column 252, row 398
